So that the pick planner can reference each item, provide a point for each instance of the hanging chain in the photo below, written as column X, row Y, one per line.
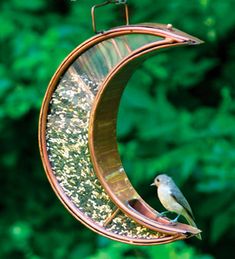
column 117, row 2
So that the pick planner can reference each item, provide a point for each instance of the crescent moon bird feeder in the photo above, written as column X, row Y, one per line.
column 77, row 134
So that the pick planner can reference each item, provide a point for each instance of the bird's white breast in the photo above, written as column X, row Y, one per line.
column 165, row 197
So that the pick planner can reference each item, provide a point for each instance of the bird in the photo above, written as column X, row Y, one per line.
column 173, row 199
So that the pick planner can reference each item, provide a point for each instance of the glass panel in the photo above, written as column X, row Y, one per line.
column 67, row 130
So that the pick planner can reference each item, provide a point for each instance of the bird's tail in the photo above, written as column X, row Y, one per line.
column 192, row 223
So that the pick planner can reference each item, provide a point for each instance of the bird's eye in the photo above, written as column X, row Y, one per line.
column 158, row 180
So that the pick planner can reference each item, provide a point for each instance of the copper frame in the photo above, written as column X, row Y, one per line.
column 102, row 143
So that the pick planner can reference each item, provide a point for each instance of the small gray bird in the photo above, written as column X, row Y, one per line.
column 173, row 200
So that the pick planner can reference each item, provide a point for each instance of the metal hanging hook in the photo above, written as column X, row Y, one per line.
column 117, row 2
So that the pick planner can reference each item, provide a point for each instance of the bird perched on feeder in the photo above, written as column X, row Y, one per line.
column 173, row 200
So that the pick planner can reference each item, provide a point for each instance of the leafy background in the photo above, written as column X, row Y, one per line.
column 177, row 116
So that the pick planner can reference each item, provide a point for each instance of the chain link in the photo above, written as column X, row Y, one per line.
column 118, row 1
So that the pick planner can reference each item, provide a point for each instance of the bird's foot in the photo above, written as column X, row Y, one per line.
column 174, row 221
column 162, row 214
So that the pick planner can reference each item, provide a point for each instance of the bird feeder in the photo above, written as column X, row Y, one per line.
column 77, row 133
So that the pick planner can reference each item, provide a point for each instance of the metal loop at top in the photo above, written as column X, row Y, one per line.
column 118, row 2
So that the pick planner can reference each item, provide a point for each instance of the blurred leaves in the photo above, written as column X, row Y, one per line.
column 35, row 5
column 177, row 116
column 176, row 250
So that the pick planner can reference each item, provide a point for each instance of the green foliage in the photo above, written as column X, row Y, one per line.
column 177, row 116
column 177, row 250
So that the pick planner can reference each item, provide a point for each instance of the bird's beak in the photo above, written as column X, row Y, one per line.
column 152, row 184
